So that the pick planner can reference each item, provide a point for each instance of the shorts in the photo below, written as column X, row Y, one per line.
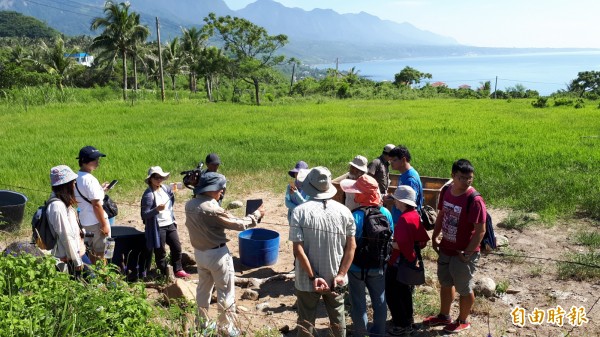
column 453, row 272
column 96, row 242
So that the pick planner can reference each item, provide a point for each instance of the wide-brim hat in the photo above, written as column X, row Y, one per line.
column 360, row 163
column 365, row 184
column 61, row 174
column 318, row 184
column 302, row 173
column 210, row 182
column 299, row 166
column 388, row 148
column 405, row 194
column 156, row 170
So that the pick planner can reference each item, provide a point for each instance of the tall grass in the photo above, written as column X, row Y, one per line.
column 541, row 160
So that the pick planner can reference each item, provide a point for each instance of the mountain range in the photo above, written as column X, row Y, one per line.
column 316, row 36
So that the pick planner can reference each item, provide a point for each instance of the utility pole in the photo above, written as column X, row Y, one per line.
column 496, row 87
column 160, row 64
column 293, row 73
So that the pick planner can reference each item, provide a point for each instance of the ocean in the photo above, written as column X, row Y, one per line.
column 544, row 72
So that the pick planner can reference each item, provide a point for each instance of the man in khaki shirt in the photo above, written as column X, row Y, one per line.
column 206, row 222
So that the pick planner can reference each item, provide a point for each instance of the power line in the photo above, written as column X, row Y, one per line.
column 61, row 9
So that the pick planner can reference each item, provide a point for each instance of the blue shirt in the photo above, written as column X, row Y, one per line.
column 410, row 178
column 359, row 216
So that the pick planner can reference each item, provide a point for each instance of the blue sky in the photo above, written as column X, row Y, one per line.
column 485, row 23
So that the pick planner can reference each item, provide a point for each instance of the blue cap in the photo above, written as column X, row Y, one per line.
column 210, row 182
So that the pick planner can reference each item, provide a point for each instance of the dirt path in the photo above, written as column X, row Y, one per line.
column 532, row 282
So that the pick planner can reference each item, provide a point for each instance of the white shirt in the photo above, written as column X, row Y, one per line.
column 92, row 190
column 163, row 217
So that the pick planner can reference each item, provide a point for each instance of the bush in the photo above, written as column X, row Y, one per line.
column 37, row 300
column 563, row 101
column 541, row 102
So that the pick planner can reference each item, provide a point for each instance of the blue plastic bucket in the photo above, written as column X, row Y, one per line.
column 258, row 247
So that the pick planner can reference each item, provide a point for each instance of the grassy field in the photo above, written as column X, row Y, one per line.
column 543, row 160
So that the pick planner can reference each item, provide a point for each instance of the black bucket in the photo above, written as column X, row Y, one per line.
column 130, row 251
column 12, row 207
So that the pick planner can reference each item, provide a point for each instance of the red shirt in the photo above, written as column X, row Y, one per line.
column 457, row 226
column 407, row 232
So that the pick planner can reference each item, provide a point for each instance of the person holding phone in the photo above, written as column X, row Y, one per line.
column 90, row 195
column 294, row 195
column 159, row 220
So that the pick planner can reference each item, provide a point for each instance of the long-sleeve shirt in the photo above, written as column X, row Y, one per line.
column 207, row 221
column 408, row 232
column 293, row 199
column 64, row 223
column 379, row 169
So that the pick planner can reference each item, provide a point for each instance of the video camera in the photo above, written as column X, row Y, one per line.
column 192, row 177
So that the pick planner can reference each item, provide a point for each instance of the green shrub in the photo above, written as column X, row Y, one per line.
column 541, row 102
column 37, row 300
column 563, row 101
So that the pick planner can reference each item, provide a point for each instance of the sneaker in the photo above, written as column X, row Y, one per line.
column 182, row 274
column 457, row 326
column 437, row 320
column 398, row 331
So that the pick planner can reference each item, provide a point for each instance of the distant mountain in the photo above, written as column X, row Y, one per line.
column 327, row 25
column 315, row 36
column 13, row 24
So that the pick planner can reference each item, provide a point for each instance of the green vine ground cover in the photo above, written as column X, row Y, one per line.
column 543, row 160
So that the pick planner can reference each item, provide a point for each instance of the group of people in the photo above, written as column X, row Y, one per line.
column 324, row 233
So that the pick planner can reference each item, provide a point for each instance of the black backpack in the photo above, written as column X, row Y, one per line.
column 43, row 233
column 374, row 248
column 488, row 243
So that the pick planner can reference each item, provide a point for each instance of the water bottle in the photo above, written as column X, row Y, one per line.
column 109, row 247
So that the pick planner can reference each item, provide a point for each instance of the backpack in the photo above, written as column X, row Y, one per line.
column 374, row 248
column 428, row 216
column 488, row 243
column 43, row 233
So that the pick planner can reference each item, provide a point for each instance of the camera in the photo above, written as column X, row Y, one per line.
column 192, row 177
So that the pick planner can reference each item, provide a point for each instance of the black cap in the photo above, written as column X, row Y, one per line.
column 89, row 153
column 212, row 158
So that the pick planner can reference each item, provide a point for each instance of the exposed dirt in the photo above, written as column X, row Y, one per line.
column 533, row 281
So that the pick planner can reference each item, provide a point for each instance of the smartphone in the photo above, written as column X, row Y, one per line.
column 112, row 184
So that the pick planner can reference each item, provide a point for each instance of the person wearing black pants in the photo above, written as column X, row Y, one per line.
column 399, row 300
column 168, row 235
column 409, row 238
column 159, row 220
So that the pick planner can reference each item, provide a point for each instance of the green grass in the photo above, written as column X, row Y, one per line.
column 580, row 267
column 540, row 160
column 589, row 239
column 516, row 220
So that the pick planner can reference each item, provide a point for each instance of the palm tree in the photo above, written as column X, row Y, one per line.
column 174, row 60
column 121, row 31
column 54, row 60
column 192, row 43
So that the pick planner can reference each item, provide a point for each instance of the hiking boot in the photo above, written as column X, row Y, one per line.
column 437, row 320
column 182, row 274
column 457, row 326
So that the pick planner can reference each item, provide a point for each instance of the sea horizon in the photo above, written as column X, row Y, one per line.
column 545, row 72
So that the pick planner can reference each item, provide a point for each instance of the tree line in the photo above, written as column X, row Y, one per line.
column 224, row 59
